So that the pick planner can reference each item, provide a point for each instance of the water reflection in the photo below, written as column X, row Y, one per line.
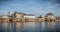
column 30, row 27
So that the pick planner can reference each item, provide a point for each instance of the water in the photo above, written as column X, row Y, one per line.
column 30, row 27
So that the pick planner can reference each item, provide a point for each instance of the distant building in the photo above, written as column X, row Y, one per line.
column 18, row 15
column 5, row 16
column 50, row 16
column 8, row 13
column 1, row 15
column 29, row 16
column 59, row 18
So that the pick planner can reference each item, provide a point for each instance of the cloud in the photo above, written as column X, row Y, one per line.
column 53, row 1
column 56, row 2
column 38, row 7
column 3, row 1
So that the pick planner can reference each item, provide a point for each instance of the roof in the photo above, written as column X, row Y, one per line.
column 19, row 13
column 29, row 15
column 49, row 14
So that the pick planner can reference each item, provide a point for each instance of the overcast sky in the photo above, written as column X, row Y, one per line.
column 37, row 7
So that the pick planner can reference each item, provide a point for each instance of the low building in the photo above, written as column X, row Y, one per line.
column 8, row 13
column 29, row 16
column 5, row 16
column 58, row 19
column 18, row 15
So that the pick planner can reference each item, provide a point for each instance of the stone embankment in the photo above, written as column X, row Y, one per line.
column 23, row 20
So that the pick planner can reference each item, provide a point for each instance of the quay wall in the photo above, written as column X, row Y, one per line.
column 23, row 19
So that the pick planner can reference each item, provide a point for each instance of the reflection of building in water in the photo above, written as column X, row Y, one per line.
column 51, row 25
column 29, row 25
column 43, row 26
column 5, row 26
column 19, row 26
column 50, row 16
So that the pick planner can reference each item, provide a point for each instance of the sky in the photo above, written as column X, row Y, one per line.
column 36, row 7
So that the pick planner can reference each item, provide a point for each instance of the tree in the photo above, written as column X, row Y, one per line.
column 40, row 16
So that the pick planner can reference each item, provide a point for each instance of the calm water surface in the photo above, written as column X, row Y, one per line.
column 30, row 27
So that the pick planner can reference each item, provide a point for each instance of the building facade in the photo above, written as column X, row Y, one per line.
column 5, row 16
column 50, row 16
column 18, row 15
column 29, row 16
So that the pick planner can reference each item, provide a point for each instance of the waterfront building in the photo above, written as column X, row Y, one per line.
column 12, row 15
column 8, row 13
column 41, row 18
column 50, row 16
column 29, row 16
column 18, row 15
column 5, row 16
column 58, row 19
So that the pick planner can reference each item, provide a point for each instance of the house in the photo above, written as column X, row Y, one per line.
column 8, row 13
column 29, row 16
column 58, row 18
column 18, row 15
column 5, row 16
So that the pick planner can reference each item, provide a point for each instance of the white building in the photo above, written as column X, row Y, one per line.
column 51, row 17
column 8, row 13
column 5, row 16
column 29, row 16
